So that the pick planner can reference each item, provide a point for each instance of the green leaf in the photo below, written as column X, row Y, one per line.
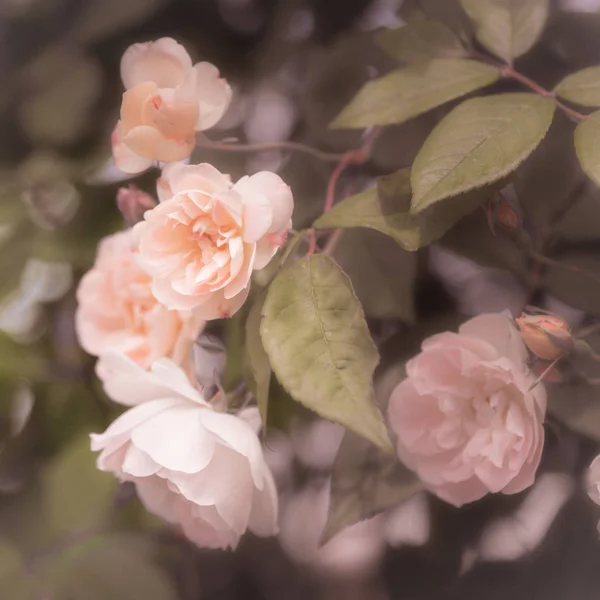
column 411, row 91
column 478, row 143
column 372, row 210
column 257, row 359
column 582, row 87
column 75, row 469
column 382, row 274
column 387, row 209
column 449, row 12
column 587, row 146
column 315, row 334
column 365, row 482
column 118, row 566
column 507, row 28
column 420, row 39
column 283, row 410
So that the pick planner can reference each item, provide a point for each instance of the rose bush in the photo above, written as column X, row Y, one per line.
column 167, row 100
column 202, row 242
column 466, row 417
column 197, row 468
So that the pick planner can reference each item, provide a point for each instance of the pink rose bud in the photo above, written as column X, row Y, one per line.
column 133, row 203
column 503, row 216
column 546, row 336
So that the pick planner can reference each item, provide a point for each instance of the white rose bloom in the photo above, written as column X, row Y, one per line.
column 193, row 466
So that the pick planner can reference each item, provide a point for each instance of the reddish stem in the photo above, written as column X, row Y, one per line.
column 312, row 242
column 332, row 242
column 508, row 71
column 204, row 142
column 352, row 157
column 544, row 260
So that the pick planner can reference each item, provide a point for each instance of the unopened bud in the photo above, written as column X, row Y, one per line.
column 503, row 216
column 547, row 336
column 133, row 203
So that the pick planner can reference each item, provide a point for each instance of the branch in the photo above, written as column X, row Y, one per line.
column 508, row 71
column 207, row 144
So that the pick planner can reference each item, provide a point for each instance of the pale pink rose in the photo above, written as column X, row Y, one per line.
column 117, row 312
column 167, row 100
column 202, row 242
column 466, row 419
column 197, row 468
column 593, row 480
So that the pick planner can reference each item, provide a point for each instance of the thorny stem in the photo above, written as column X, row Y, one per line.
column 358, row 156
column 332, row 242
column 204, row 142
column 544, row 260
column 508, row 71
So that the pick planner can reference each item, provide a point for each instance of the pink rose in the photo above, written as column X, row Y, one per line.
column 193, row 466
column 202, row 242
column 167, row 100
column 117, row 312
column 466, row 420
column 593, row 480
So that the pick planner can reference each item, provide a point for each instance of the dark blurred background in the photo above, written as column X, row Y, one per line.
column 66, row 531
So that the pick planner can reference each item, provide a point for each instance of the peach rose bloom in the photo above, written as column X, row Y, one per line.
column 167, row 100
column 466, row 419
column 117, row 312
column 199, row 469
column 202, row 242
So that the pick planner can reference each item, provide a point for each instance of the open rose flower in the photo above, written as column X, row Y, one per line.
column 202, row 242
column 117, row 312
column 167, row 100
column 466, row 418
column 197, row 468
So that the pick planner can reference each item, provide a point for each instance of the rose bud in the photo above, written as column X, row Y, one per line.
column 503, row 216
column 133, row 203
column 546, row 336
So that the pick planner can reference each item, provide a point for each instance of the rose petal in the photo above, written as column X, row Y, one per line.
column 148, row 142
column 164, row 62
column 177, row 441
column 127, row 160
column 213, row 95
column 204, row 177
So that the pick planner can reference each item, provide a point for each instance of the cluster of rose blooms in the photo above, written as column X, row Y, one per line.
column 152, row 289
column 468, row 418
